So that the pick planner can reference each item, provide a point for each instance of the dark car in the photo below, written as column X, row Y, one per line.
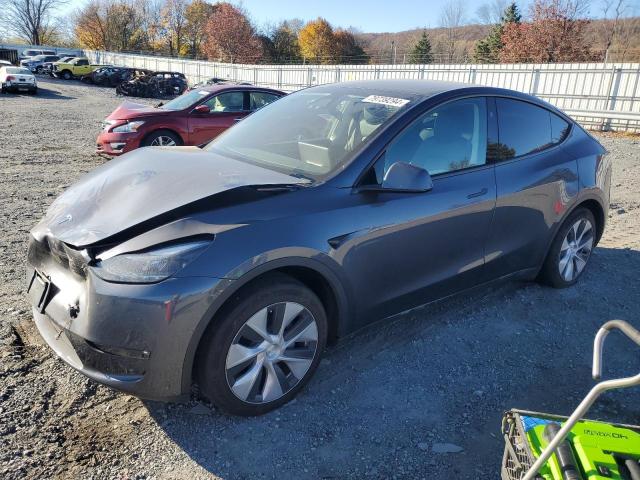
column 36, row 64
column 337, row 205
column 114, row 76
column 194, row 118
column 154, row 85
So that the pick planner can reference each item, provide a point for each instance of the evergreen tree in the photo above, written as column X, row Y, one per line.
column 488, row 49
column 421, row 52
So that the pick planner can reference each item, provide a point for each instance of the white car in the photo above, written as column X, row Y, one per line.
column 17, row 79
column 5, row 63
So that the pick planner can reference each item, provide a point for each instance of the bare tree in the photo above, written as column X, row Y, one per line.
column 31, row 20
column 614, row 23
column 452, row 18
column 489, row 13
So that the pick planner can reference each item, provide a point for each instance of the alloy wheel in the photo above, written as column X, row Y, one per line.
column 576, row 249
column 163, row 141
column 272, row 352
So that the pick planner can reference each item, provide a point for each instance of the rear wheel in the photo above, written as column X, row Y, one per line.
column 162, row 138
column 264, row 347
column 570, row 251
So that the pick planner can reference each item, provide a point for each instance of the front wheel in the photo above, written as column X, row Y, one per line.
column 570, row 251
column 162, row 138
column 67, row 75
column 264, row 347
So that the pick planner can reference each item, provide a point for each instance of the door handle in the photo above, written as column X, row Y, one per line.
column 237, row 119
column 478, row 194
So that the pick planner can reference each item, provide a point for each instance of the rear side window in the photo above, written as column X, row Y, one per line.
column 526, row 128
column 260, row 99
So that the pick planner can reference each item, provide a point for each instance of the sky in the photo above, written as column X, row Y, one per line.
column 365, row 15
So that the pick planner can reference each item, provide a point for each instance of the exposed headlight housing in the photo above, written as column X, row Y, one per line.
column 128, row 127
column 149, row 266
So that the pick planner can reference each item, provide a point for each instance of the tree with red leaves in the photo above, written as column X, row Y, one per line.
column 230, row 37
column 554, row 34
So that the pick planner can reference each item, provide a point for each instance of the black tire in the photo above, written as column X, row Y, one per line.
column 149, row 139
column 34, row 91
column 550, row 272
column 67, row 75
column 212, row 354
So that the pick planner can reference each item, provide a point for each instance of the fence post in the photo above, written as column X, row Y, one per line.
column 614, row 86
column 472, row 75
column 280, row 77
column 255, row 75
column 535, row 79
column 337, row 78
column 309, row 76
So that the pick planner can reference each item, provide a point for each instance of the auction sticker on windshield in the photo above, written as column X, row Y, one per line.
column 381, row 99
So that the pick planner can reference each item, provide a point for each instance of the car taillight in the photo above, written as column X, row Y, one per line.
column 10, row 78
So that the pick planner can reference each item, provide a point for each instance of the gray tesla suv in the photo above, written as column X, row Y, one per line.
column 232, row 266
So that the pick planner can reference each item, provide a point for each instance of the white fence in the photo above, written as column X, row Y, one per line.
column 598, row 95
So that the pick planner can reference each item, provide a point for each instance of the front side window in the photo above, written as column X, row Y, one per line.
column 526, row 128
column 313, row 132
column 226, row 102
column 258, row 100
column 450, row 137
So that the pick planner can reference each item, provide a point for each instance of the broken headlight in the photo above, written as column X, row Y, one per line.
column 149, row 266
column 128, row 127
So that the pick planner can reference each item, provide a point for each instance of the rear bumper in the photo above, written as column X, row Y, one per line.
column 21, row 87
column 134, row 338
column 114, row 144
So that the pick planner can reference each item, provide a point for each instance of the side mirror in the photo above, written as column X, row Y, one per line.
column 202, row 109
column 406, row 177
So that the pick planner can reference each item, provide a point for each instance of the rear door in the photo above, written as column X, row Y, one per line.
column 225, row 109
column 536, row 181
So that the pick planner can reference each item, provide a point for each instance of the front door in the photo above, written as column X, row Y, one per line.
column 421, row 246
column 225, row 110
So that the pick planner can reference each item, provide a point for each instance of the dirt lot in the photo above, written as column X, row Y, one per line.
column 381, row 400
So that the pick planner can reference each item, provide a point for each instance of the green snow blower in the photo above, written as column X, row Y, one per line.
column 540, row 446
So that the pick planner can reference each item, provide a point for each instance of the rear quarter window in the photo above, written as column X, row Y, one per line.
column 525, row 128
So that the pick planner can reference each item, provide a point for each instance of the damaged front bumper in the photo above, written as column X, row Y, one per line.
column 134, row 338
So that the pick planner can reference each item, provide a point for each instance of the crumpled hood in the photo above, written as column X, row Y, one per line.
column 128, row 110
column 142, row 185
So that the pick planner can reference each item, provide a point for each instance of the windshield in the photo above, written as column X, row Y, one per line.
column 313, row 132
column 18, row 71
column 185, row 100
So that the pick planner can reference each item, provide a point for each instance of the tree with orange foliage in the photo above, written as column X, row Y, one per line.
column 554, row 34
column 230, row 37
column 317, row 41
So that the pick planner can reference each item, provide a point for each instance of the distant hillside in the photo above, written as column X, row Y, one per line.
column 379, row 45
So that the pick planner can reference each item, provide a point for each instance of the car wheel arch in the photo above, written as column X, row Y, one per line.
column 594, row 205
column 313, row 274
column 162, row 129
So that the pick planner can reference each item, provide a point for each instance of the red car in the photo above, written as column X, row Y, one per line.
column 194, row 118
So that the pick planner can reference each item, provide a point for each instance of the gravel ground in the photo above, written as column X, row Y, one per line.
column 382, row 403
